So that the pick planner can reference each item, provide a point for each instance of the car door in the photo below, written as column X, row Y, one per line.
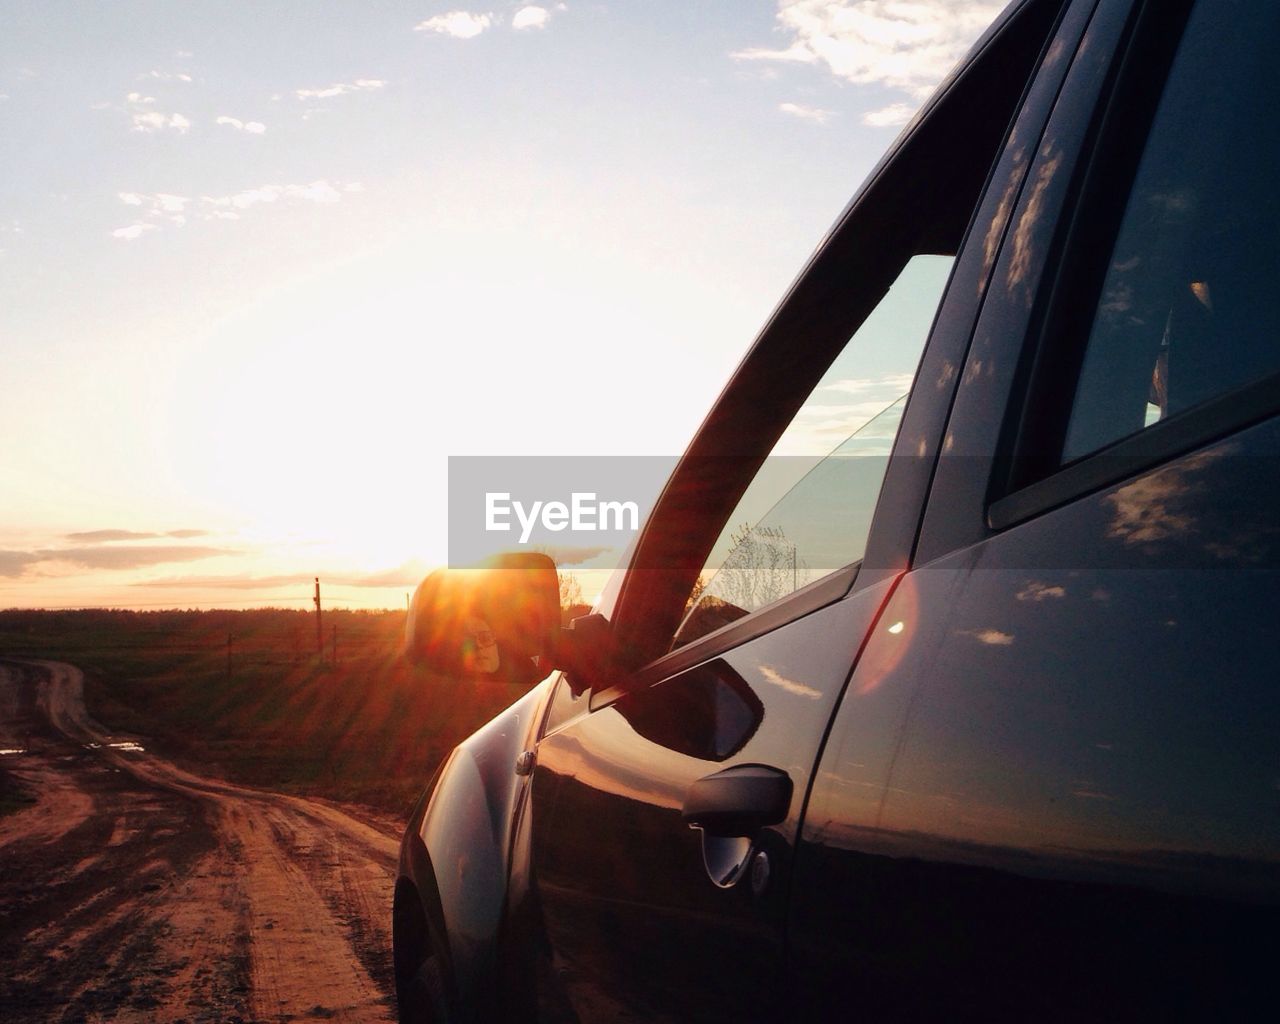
column 752, row 589
column 1051, row 790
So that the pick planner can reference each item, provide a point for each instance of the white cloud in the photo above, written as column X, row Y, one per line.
column 316, row 192
column 167, row 203
column 166, row 76
column 459, row 24
column 252, row 127
column 805, row 113
column 901, row 44
column 160, row 208
column 893, row 386
column 152, row 121
column 145, row 118
column 892, row 116
column 530, row 17
column 341, row 89
column 790, row 685
column 990, row 637
column 132, row 231
column 1037, row 591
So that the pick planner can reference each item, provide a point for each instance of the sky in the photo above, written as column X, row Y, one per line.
column 265, row 267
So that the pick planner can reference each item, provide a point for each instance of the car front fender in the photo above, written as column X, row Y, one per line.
column 463, row 828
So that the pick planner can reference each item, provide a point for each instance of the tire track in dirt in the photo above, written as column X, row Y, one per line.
column 184, row 898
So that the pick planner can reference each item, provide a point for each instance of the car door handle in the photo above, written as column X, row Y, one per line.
column 738, row 801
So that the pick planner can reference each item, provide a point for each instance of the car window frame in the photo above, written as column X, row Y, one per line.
column 1032, row 479
column 901, row 502
column 992, row 366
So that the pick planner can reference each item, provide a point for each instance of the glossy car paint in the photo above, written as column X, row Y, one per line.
column 1052, row 793
column 607, row 833
column 1033, row 762
column 455, row 856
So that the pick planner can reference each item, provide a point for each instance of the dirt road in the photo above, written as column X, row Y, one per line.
column 135, row 891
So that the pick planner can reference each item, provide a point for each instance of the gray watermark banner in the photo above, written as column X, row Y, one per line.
column 583, row 511
column 803, row 517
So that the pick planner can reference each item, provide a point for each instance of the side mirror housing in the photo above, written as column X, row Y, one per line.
column 489, row 621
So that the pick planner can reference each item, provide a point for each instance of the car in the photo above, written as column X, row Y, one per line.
column 975, row 714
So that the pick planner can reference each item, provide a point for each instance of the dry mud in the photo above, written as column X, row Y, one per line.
column 135, row 891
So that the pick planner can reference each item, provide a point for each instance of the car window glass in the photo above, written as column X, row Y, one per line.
column 1187, row 310
column 808, row 511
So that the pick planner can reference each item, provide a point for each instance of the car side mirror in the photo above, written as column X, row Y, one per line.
column 491, row 621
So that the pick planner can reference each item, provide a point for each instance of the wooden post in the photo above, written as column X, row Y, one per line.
column 229, row 640
column 319, row 624
column 334, row 655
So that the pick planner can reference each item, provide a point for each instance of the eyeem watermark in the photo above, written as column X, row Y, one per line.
column 583, row 513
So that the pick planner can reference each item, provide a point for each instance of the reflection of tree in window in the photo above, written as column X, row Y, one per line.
column 817, row 527
column 762, row 566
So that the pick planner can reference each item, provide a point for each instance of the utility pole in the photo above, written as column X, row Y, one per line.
column 319, row 624
column 334, row 655
column 229, row 639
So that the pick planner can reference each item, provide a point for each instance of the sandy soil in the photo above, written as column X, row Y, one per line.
column 136, row 891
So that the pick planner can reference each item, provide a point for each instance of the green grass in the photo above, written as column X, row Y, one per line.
column 369, row 729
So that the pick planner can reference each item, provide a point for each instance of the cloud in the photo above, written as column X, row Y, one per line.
column 459, row 24
column 132, row 231
column 108, row 536
column 891, row 387
column 991, row 637
column 341, row 89
column 17, row 563
column 160, row 208
column 149, row 122
column 805, row 113
column 112, row 536
column 225, row 582
column 14, row 563
column 908, row 45
column 165, row 76
column 892, row 116
column 1037, row 591
column 130, row 557
column 789, row 685
column 407, row 575
column 530, row 17
column 251, row 127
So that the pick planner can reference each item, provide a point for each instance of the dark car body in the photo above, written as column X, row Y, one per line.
column 1020, row 757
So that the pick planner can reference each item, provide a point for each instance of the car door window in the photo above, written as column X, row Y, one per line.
column 808, row 511
column 1187, row 307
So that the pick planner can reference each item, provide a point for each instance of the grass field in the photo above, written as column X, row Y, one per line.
column 265, row 708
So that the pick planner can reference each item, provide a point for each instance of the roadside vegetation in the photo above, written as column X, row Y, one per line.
column 247, row 695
